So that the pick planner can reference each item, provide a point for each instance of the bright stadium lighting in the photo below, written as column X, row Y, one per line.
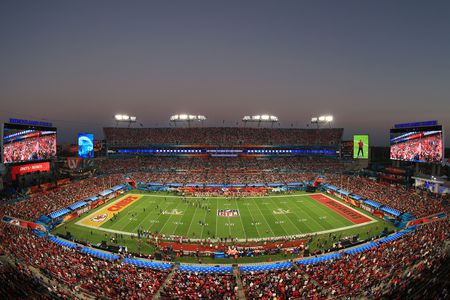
column 187, row 118
column 265, row 118
column 124, row 118
column 322, row 120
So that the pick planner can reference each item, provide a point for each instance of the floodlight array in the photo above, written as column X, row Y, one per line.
column 125, row 118
column 187, row 117
column 260, row 118
column 322, row 119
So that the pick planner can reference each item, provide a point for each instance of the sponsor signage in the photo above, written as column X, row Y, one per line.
column 29, row 168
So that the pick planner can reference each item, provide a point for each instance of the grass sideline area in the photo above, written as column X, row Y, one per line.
column 216, row 217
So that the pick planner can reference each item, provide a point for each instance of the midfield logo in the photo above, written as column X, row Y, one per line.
column 175, row 212
column 228, row 213
column 281, row 211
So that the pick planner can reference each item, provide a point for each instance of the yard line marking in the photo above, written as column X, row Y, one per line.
column 287, row 216
column 297, row 236
column 254, row 200
column 168, row 220
column 181, row 217
column 266, row 220
column 253, row 219
column 137, row 227
column 189, row 229
column 240, row 219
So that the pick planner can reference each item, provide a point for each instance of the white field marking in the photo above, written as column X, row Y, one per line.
column 266, row 219
column 240, row 220
column 282, row 220
column 217, row 219
column 143, row 219
column 297, row 236
column 170, row 217
column 254, row 239
column 205, row 224
column 109, row 204
column 190, row 225
column 252, row 197
column 251, row 215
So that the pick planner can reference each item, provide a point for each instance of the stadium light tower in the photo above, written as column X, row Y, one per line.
column 186, row 118
column 322, row 120
column 268, row 119
column 124, row 118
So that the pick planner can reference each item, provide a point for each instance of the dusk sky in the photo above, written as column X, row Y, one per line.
column 371, row 64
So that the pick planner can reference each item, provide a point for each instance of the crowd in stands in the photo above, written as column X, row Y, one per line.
column 418, row 203
column 34, row 148
column 419, row 148
column 222, row 136
column 393, row 268
column 45, row 202
column 380, row 272
column 193, row 285
column 219, row 170
column 79, row 273
column 19, row 282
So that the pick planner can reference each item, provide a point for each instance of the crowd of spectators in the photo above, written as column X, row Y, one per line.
column 45, row 202
column 390, row 269
column 382, row 271
column 419, row 148
column 222, row 136
column 282, row 284
column 416, row 202
column 219, row 170
column 193, row 285
column 34, row 148
column 77, row 272
column 19, row 282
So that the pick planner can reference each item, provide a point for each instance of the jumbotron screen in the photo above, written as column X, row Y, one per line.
column 24, row 143
column 361, row 146
column 86, row 145
column 417, row 144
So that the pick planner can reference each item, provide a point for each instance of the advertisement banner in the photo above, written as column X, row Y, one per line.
column 29, row 168
column 22, row 223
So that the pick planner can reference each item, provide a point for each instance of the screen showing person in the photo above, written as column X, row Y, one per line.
column 361, row 146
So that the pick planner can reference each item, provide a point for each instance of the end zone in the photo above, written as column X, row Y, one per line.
column 347, row 212
column 99, row 217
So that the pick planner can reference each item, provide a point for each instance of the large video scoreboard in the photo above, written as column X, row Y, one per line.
column 423, row 144
column 28, row 143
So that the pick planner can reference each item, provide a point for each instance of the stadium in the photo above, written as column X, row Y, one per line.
column 224, row 150
column 219, row 213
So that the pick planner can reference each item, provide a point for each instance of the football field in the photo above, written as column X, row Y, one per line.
column 218, row 217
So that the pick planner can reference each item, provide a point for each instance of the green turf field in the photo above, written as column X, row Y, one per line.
column 198, row 218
